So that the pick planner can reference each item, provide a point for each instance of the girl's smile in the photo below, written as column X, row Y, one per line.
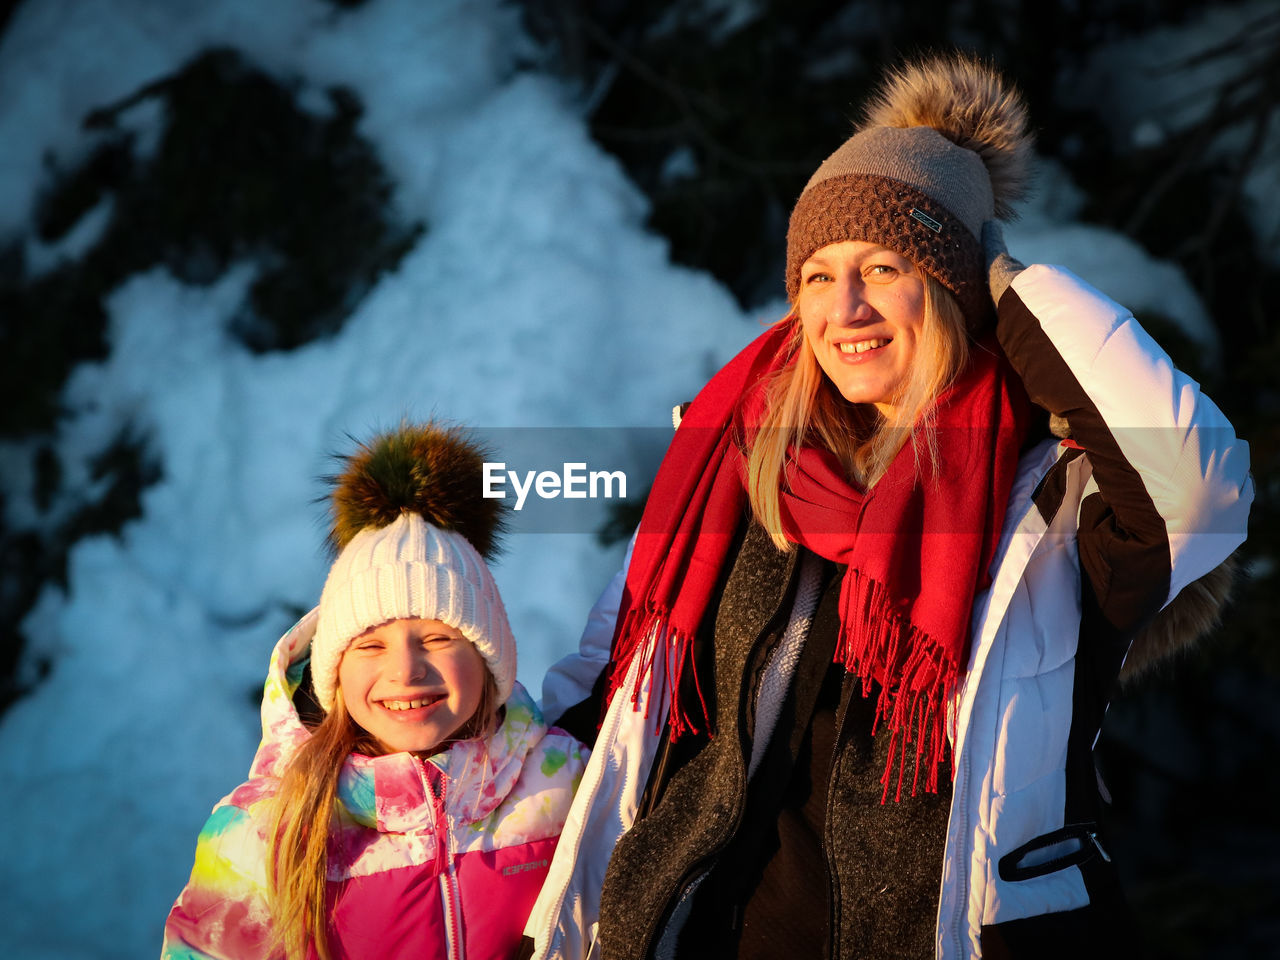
column 411, row 683
column 402, row 706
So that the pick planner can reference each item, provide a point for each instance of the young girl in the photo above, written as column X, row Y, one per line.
column 414, row 811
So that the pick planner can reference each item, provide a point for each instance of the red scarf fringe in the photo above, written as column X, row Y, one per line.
column 913, row 689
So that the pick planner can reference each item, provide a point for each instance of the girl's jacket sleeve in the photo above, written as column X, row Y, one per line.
column 222, row 912
column 1170, row 491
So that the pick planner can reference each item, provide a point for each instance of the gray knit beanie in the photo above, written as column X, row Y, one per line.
column 943, row 149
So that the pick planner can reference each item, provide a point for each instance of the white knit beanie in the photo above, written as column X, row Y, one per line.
column 395, row 564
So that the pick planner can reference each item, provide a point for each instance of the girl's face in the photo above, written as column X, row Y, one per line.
column 411, row 683
column 862, row 310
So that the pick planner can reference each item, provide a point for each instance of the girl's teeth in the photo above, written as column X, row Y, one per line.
column 862, row 346
column 404, row 704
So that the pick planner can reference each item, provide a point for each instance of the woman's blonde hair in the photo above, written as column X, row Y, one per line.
column 803, row 406
column 304, row 806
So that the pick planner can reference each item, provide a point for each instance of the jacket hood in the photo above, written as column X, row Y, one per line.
column 398, row 792
column 1189, row 617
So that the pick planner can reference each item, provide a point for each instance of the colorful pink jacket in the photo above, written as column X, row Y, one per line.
column 440, row 857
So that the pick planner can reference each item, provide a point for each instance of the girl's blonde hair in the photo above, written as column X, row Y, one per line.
column 304, row 806
column 803, row 406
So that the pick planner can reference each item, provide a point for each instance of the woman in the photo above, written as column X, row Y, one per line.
column 857, row 661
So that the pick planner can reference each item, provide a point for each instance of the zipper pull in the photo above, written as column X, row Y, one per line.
column 1097, row 845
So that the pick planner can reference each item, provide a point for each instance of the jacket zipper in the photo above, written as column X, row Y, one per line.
column 657, row 775
column 452, row 935
column 450, row 894
column 962, row 865
column 1097, row 845
column 833, row 922
column 449, row 905
column 833, row 887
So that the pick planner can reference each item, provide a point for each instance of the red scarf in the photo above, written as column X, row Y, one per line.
column 918, row 545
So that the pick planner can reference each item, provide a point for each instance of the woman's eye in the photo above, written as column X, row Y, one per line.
column 881, row 270
column 818, row 277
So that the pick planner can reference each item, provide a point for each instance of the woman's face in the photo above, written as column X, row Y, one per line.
column 411, row 684
column 862, row 310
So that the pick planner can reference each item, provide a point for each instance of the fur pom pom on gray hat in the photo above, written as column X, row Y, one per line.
column 412, row 534
column 943, row 149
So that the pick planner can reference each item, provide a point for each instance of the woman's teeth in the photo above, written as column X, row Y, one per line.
column 407, row 704
column 862, row 346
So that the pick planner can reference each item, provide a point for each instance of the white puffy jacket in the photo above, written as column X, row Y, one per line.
column 1174, row 498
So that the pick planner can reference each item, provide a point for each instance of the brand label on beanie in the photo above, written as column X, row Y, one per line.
column 928, row 221
column 573, row 482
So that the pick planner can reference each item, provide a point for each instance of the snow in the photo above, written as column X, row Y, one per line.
column 534, row 260
column 535, row 299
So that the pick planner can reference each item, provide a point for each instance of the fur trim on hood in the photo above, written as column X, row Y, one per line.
column 1190, row 617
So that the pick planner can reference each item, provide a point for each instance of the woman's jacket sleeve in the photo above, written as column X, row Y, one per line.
column 1172, row 486
column 573, row 679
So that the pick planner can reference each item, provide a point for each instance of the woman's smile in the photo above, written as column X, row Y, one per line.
column 855, row 351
